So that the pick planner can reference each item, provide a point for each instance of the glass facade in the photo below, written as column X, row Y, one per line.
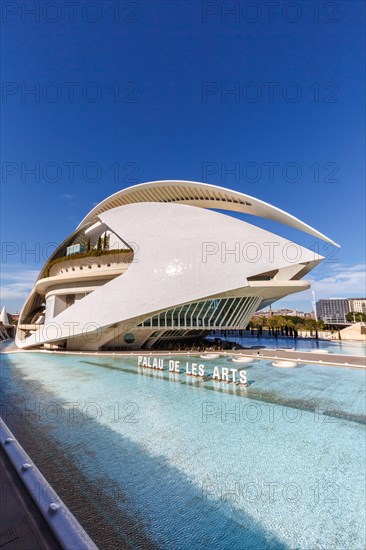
column 207, row 314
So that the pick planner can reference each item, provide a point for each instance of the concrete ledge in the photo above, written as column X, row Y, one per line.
column 310, row 357
column 62, row 523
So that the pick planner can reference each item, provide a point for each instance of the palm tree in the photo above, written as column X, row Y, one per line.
column 270, row 325
column 260, row 322
column 290, row 326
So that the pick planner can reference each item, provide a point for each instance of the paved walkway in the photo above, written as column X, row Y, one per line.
column 331, row 359
column 22, row 526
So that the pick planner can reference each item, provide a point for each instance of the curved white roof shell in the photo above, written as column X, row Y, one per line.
column 171, row 267
column 202, row 195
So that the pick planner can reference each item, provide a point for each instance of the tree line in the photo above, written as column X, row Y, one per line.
column 284, row 325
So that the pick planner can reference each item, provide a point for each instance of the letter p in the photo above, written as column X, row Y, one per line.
column 209, row 8
column 8, row 249
column 209, row 88
column 209, row 249
column 209, row 409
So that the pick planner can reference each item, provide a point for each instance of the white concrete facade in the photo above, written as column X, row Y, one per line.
column 175, row 268
column 358, row 305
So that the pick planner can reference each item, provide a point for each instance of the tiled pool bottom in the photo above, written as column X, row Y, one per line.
column 201, row 465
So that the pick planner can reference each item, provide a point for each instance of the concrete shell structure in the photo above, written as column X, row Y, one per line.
column 159, row 263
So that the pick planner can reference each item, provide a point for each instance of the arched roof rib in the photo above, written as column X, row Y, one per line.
column 202, row 195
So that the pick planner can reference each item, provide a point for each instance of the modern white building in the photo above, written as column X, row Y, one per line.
column 159, row 262
column 6, row 327
column 358, row 305
column 4, row 318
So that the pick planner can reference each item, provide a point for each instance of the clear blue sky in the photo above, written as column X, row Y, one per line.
column 183, row 90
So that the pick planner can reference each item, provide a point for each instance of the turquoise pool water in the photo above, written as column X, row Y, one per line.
column 301, row 344
column 206, row 464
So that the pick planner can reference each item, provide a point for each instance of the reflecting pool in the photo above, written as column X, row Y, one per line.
column 198, row 463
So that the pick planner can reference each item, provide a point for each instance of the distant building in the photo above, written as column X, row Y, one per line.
column 4, row 318
column 291, row 312
column 285, row 312
column 333, row 310
column 358, row 305
column 6, row 327
column 264, row 313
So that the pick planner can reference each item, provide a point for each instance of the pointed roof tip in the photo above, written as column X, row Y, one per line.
column 4, row 318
